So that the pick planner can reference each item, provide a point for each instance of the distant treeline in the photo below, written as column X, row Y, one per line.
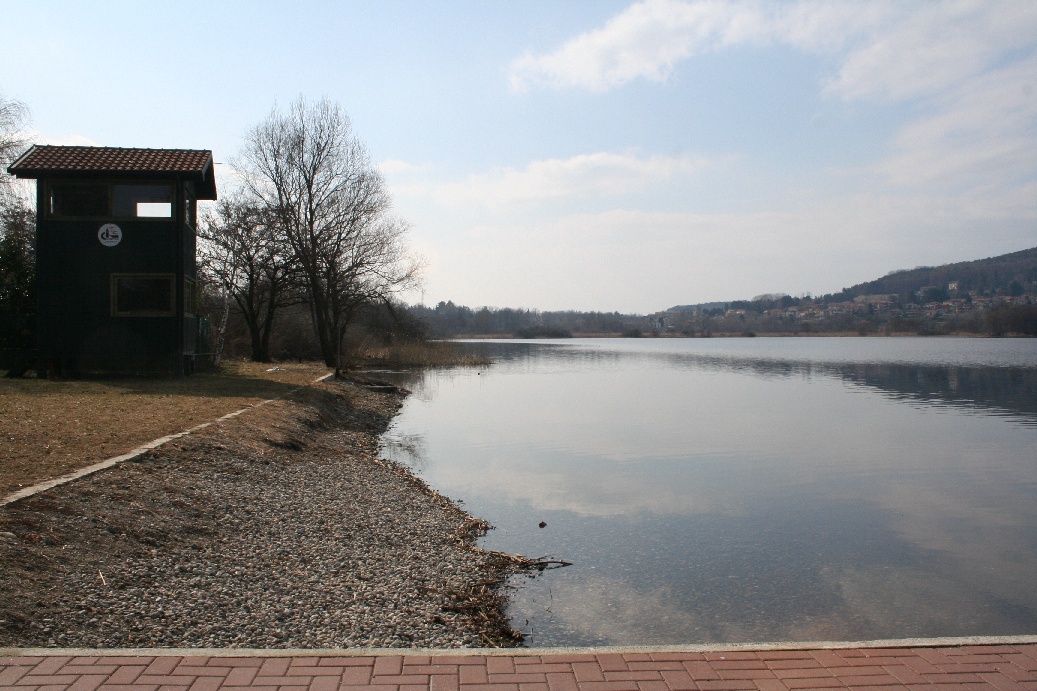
column 769, row 315
column 448, row 320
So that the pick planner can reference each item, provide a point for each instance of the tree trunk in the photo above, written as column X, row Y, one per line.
column 259, row 351
column 221, row 332
column 266, row 329
column 325, row 330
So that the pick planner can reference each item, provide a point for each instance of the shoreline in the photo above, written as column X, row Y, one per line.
column 279, row 528
column 730, row 334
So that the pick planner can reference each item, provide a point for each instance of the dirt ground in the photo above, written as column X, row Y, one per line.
column 52, row 427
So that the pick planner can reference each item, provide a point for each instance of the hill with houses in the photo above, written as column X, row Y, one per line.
column 1008, row 274
column 994, row 295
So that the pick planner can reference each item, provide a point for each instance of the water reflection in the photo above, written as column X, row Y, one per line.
column 1002, row 377
column 997, row 389
column 1006, row 389
column 729, row 495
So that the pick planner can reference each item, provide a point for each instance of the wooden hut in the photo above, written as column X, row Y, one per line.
column 115, row 256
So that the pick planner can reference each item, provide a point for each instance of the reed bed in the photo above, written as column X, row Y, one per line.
column 419, row 354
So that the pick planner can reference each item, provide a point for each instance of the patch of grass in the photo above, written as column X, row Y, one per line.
column 52, row 427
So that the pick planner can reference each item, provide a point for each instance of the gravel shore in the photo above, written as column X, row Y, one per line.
column 279, row 528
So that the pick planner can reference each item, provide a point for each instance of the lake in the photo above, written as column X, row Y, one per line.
column 739, row 490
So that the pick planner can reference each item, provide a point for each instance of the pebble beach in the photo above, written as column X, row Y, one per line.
column 280, row 528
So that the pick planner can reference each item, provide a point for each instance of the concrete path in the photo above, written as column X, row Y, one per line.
column 1005, row 667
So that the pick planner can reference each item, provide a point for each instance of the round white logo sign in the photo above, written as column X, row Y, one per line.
column 110, row 235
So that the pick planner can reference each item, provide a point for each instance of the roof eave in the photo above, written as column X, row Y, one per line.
column 11, row 169
column 206, row 186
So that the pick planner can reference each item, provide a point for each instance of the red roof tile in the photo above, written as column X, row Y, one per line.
column 193, row 164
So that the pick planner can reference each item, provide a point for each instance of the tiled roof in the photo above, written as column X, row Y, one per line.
column 194, row 164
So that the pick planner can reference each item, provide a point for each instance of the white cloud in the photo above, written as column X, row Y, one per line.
column 600, row 174
column 968, row 68
column 394, row 166
column 922, row 49
column 885, row 49
column 71, row 139
column 645, row 40
column 980, row 130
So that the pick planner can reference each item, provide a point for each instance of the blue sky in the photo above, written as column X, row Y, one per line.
column 596, row 155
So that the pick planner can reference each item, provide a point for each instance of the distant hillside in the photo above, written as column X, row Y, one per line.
column 1004, row 275
column 698, row 307
column 1009, row 274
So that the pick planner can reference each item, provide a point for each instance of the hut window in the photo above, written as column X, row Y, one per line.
column 78, row 200
column 143, row 295
column 143, row 201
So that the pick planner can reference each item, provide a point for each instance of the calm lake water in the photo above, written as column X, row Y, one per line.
column 736, row 490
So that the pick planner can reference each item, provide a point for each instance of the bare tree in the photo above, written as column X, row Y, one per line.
column 243, row 253
column 308, row 169
column 13, row 116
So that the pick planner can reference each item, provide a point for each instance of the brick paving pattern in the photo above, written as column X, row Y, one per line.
column 1000, row 667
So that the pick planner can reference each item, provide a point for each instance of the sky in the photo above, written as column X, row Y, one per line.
column 594, row 155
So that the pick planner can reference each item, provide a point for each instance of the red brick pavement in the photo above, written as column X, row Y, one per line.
column 1000, row 667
